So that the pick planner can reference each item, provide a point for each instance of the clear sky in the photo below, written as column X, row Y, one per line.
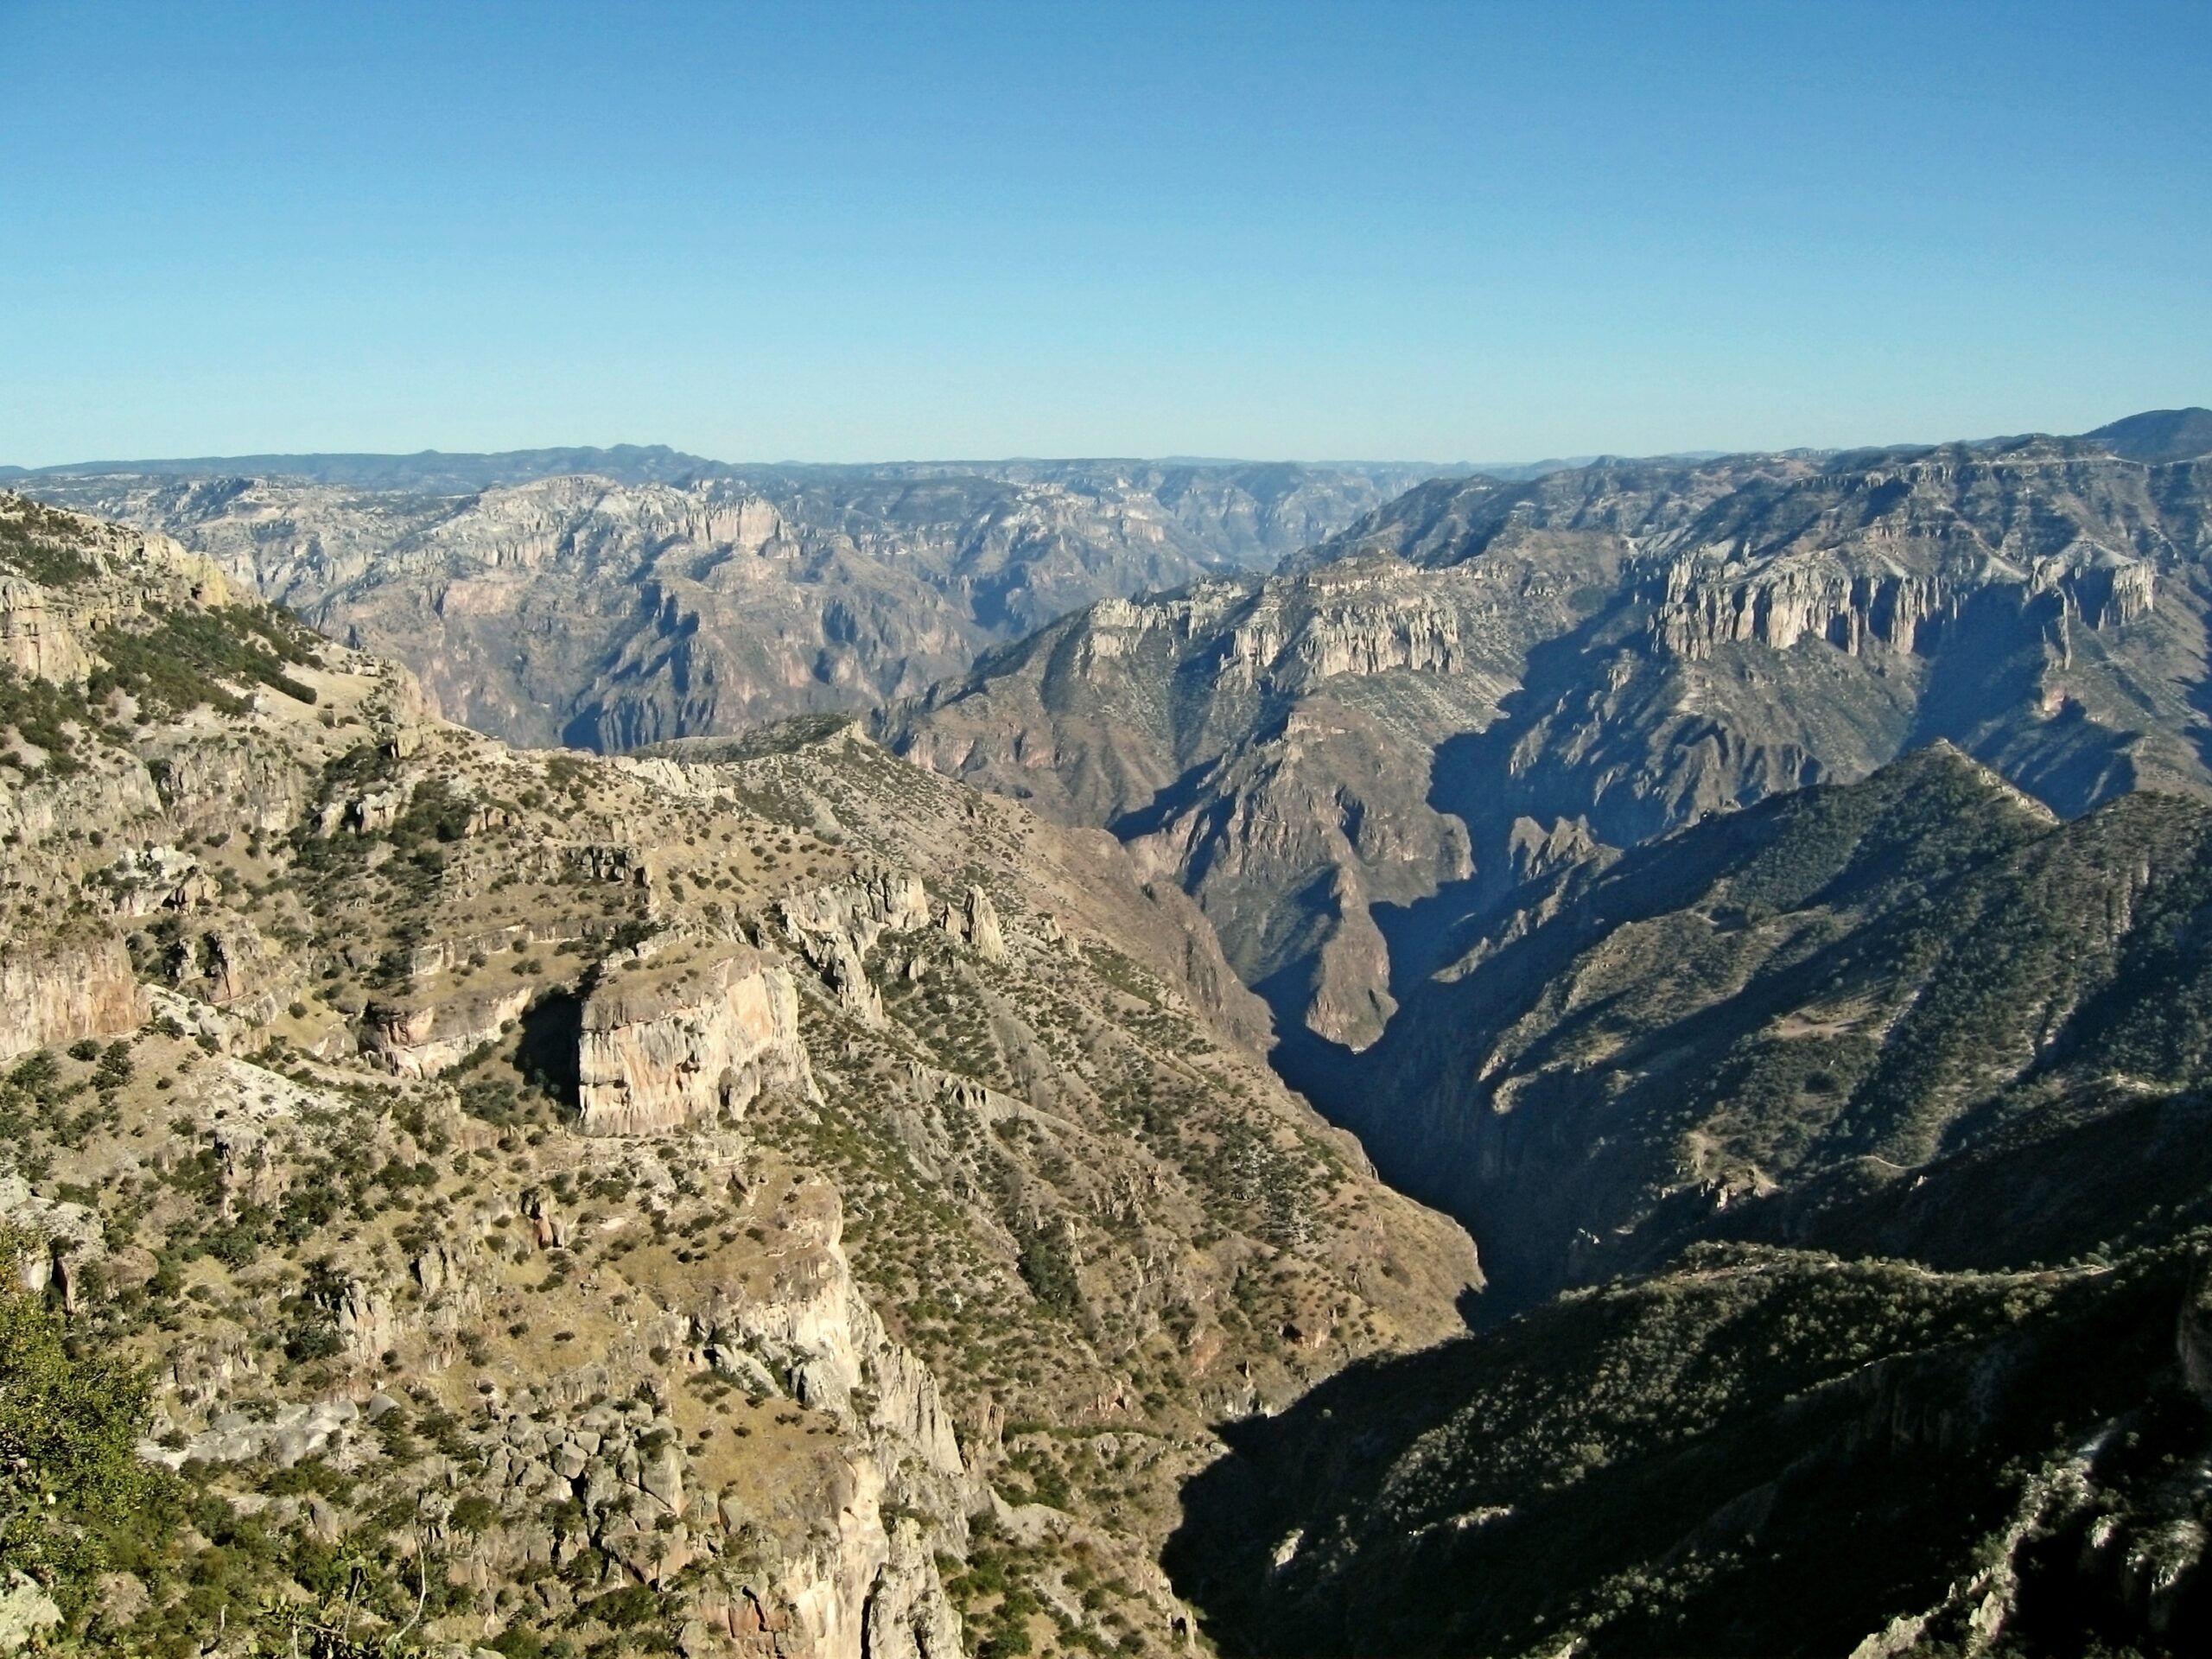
column 828, row 231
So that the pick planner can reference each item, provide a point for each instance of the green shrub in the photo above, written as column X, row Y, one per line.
column 73, row 1493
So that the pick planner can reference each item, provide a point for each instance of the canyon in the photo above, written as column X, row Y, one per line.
column 1352, row 763
column 817, row 1170
column 607, row 600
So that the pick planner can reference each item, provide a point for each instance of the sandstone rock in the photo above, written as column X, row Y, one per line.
column 109, row 789
column 294, row 1432
column 154, row 878
column 906, row 1614
column 979, row 925
column 816, row 1324
column 550, row 1228
column 368, row 1324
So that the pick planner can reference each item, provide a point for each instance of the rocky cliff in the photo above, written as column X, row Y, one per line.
column 1343, row 763
column 671, row 1042
column 58, row 994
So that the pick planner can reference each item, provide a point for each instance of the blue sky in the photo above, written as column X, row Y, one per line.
column 849, row 233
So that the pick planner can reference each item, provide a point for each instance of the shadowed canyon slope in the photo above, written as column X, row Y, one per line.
column 1760, row 1451
column 1871, row 1122
column 1784, row 1023
column 1351, row 763
column 607, row 598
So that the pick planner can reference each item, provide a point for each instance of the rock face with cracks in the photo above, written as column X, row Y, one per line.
column 671, row 1043
column 64, row 992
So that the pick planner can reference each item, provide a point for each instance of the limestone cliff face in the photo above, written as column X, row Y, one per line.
column 1781, row 601
column 864, row 1589
column 839, row 1567
column 53, row 994
column 826, row 1553
column 1368, row 627
column 64, row 1239
column 681, row 1042
column 1217, row 734
column 34, row 639
column 110, row 789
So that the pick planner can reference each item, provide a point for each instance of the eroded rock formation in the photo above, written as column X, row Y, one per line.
column 52, row 994
column 686, row 1039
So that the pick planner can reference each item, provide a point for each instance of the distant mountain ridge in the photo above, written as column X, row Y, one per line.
column 1805, row 1022
column 427, row 469
column 2160, row 435
column 2153, row 435
column 611, row 598
column 455, row 472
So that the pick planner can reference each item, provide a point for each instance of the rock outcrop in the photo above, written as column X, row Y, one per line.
column 834, row 928
column 974, row 920
column 63, row 1239
column 52, row 994
column 423, row 1039
column 686, row 1040
column 820, row 1340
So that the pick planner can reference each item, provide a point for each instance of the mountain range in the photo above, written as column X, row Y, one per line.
column 607, row 598
column 1353, row 762
column 838, row 1173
